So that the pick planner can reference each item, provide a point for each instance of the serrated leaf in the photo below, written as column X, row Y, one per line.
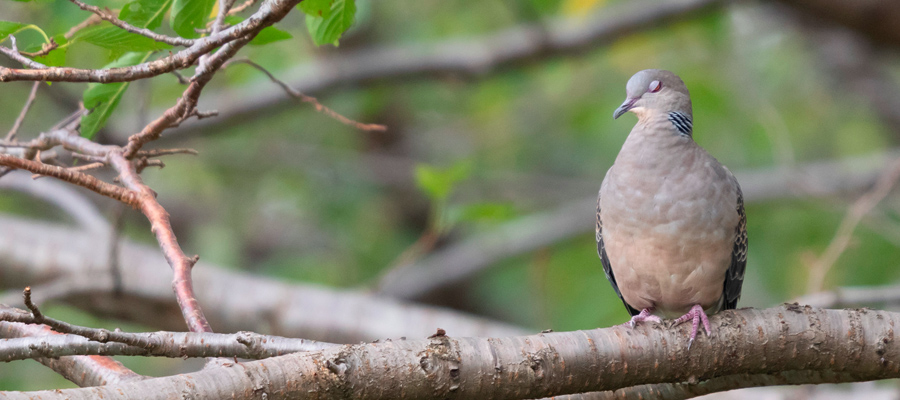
column 316, row 8
column 118, row 40
column 330, row 27
column 268, row 35
column 145, row 13
column 188, row 15
column 103, row 98
column 7, row 28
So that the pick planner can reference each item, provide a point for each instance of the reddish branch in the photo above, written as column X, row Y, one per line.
column 75, row 177
column 296, row 94
column 135, row 193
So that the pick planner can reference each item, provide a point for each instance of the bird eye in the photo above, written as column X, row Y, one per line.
column 655, row 86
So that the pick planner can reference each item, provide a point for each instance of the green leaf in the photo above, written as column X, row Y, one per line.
column 438, row 183
column 57, row 57
column 145, row 13
column 269, row 35
column 118, row 40
column 329, row 27
column 103, row 98
column 480, row 212
column 316, row 8
column 7, row 28
column 188, row 15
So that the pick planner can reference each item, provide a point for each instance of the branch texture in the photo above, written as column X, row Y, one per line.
column 792, row 342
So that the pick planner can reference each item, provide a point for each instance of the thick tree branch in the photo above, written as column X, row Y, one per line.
column 64, row 264
column 796, row 344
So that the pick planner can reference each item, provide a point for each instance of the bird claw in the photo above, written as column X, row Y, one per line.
column 645, row 315
column 697, row 316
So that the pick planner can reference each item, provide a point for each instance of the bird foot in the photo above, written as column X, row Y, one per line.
column 696, row 315
column 645, row 315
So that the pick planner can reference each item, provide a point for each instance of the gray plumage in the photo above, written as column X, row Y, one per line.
column 671, row 228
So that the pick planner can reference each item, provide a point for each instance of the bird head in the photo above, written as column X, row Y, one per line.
column 655, row 91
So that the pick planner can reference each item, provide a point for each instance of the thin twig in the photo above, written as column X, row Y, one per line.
column 46, row 48
column 242, row 7
column 119, row 193
column 174, row 41
column 15, row 128
column 13, row 52
column 844, row 233
column 308, row 99
column 165, row 152
column 94, row 19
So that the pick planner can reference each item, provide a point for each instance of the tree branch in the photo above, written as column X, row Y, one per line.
column 795, row 344
column 81, row 370
column 232, row 301
column 269, row 13
column 75, row 177
column 468, row 57
column 79, row 340
column 174, row 41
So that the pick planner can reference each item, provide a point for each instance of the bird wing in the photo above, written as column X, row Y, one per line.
column 607, row 268
column 734, row 276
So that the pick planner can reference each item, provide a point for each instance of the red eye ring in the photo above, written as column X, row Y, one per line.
column 655, row 86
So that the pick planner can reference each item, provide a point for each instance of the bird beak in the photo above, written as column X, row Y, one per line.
column 627, row 105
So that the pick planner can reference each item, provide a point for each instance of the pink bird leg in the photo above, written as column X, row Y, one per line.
column 695, row 315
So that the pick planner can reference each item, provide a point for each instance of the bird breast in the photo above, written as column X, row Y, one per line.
column 669, row 219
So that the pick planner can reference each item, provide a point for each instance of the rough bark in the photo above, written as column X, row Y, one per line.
column 794, row 343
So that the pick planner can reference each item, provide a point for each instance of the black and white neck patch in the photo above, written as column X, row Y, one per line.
column 682, row 122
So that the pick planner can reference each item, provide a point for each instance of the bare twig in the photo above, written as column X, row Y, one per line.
column 174, row 41
column 165, row 152
column 81, row 370
column 844, row 233
column 190, row 345
column 309, row 99
column 15, row 128
column 242, row 7
column 464, row 57
column 46, row 48
column 13, row 52
column 94, row 19
column 119, row 193
column 269, row 13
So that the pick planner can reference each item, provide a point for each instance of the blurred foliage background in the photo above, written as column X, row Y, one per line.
column 293, row 194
